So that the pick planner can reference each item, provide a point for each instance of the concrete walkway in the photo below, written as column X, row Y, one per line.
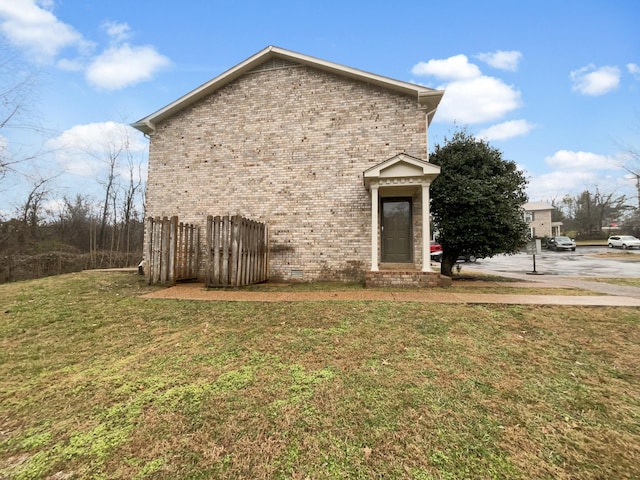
column 196, row 291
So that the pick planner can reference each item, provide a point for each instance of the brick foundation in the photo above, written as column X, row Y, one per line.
column 406, row 278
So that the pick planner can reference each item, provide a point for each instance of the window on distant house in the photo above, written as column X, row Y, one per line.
column 529, row 217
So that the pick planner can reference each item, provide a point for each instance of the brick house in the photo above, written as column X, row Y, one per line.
column 333, row 159
column 538, row 216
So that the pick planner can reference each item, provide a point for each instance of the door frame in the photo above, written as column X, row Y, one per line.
column 408, row 199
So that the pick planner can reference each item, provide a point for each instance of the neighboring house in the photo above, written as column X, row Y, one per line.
column 332, row 158
column 538, row 216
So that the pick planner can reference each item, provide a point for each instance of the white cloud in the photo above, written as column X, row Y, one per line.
column 506, row 130
column 580, row 161
column 83, row 149
column 32, row 26
column 557, row 184
column 470, row 97
column 574, row 172
column 36, row 29
column 483, row 99
column 634, row 69
column 119, row 32
column 75, row 65
column 594, row 81
column 122, row 66
column 452, row 68
column 54, row 206
column 503, row 60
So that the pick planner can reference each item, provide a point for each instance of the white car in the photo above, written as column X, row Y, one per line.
column 623, row 241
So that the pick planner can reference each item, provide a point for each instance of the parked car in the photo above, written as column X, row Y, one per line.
column 436, row 251
column 561, row 243
column 623, row 241
column 436, row 254
column 467, row 258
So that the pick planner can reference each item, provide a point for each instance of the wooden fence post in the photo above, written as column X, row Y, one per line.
column 149, row 249
column 164, row 251
column 226, row 232
column 265, row 246
column 234, row 251
column 182, row 251
column 157, row 246
column 208, row 273
column 173, row 251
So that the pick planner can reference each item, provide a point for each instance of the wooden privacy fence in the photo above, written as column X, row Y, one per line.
column 172, row 250
column 237, row 251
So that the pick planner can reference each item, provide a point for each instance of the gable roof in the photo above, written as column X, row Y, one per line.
column 536, row 206
column 403, row 166
column 426, row 97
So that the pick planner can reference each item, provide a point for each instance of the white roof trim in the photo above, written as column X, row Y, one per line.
column 429, row 171
column 427, row 97
column 536, row 206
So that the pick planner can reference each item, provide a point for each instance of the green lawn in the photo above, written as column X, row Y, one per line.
column 629, row 282
column 98, row 383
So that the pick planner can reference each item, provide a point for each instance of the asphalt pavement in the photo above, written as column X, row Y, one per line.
column 584, row 262
column 566, row 268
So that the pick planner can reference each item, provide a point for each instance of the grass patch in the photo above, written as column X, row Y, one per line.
column 468, row 283
column 619, row 255
column 97, row 383
column 630, row 282
column 534, row 289
column 483, row 277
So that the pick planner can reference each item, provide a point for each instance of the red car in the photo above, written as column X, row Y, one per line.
column 436, row 251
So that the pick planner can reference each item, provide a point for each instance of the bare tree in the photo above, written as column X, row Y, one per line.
column 121, row 182
column 106, row 152
column 31, row 211
column 631, row 161
column 132, row 189
column 588, row 212
column 635, row 173
column 17, row 91
column 74, row 221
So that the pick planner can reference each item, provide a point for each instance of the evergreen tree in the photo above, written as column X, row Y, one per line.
column 476, row 201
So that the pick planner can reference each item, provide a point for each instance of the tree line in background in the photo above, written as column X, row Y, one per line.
column 593, row 215
column 75, row 235
column 47, row 235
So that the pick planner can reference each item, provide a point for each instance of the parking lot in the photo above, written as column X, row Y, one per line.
column 584, row 262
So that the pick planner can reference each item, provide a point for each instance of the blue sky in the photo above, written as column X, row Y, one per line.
column 555, row 85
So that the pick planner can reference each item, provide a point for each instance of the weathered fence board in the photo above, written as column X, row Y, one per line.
column 237, row 251
column 172, row 250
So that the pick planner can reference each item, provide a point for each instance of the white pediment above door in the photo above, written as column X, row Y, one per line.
column 401, row 168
